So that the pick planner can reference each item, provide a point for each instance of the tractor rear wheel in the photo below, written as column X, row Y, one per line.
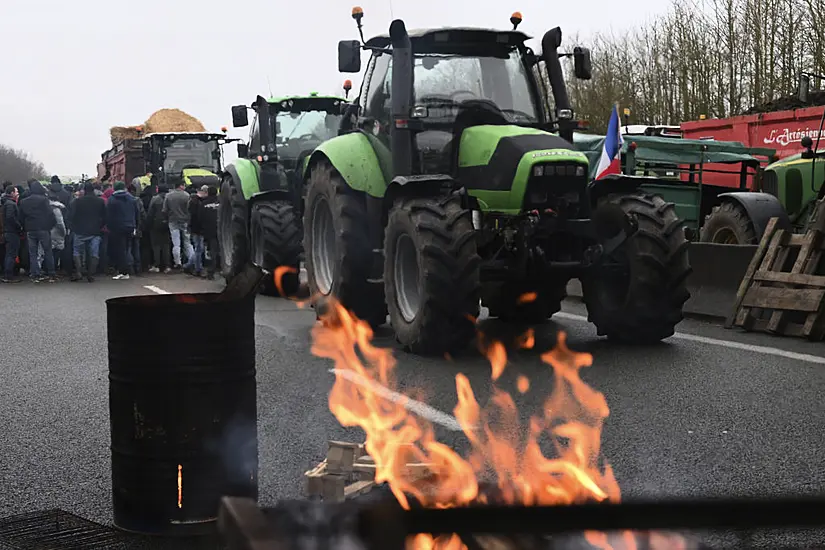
column 638, row 297
column 337, row 246
column 232, row 224
column 431, row 274
column 728, row 223
column 276, row 242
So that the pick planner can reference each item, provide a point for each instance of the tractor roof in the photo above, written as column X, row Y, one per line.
column 207, row 135
column 431, row 39
column 308, row 97
column 298, row 104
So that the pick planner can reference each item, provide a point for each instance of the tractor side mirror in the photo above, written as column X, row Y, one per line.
column 239, row 116
column 582, row 67
column 243, row 150
column 803, row 88
column 349, row 56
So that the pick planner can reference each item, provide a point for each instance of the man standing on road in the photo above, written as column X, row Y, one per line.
column 122, row 216
column 194, row 264
column 38, row 220
column 11, row 233
column 176, row 209
column 209, row 229
column 159, row 232
column 135, row 244
column 87, row 217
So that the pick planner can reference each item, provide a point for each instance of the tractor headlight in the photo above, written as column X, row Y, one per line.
column 580, row 171
column 538, row 170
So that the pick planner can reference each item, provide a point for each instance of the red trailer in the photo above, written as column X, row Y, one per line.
column 780, row 130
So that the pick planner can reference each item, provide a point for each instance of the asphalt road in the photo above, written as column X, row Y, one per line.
column 710, row 412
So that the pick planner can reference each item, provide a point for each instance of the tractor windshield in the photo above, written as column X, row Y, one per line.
column 443, row 81
column 189, row 152
column 299, row 132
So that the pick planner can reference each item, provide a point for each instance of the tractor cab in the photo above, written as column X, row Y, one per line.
column 286, row 130
column 191, row 157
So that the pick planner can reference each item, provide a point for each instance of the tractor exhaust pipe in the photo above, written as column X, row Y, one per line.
column 550, row 44
column 402, row 91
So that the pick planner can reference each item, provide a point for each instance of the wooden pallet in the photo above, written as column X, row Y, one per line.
column 772, row 299
column 347, row 472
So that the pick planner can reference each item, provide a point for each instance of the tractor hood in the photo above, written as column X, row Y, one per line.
column 495, row 162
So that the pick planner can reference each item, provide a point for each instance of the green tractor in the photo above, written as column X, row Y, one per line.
column 456, row 187
column 259, row 215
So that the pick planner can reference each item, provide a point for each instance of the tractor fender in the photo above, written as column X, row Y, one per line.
column 353, row 156
column 245, row 173
column 429, row 185
column 616, row 183
column 232, row 173
column 760, row 207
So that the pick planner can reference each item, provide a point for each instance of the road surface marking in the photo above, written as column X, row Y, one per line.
column 155, row 289
column 416, row 407
column 765, row 350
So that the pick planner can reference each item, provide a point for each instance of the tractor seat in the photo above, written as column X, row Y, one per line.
column 473, row 112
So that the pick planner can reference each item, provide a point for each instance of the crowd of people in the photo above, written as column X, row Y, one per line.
column 50, row 232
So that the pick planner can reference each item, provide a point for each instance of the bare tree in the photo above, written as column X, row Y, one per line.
column 17, row 166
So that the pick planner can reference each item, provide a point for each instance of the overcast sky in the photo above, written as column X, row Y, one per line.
column 71, row 70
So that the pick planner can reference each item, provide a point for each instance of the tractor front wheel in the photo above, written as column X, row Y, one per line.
column 232, row 223
column 336, row 246
column 638, row 295
column 728, row 223
column 276, row 242
column 431, row 274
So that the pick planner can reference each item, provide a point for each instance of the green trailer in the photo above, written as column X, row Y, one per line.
column 715, row 185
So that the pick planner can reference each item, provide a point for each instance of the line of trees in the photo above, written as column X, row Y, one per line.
column 17, row 166
column 716, row 58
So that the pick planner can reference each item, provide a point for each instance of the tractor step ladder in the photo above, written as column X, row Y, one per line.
column 772, row 299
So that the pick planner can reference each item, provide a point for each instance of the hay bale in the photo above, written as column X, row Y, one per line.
column 172, row 120
column 119, row 133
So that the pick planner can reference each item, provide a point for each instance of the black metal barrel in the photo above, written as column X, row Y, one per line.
column 182, row 400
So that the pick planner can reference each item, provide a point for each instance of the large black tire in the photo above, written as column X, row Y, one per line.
column 337, row 249
column 728, row 223
column 642, row 303
column 502, row 301
column 431, row 274
column 233, row 240
column 276, row 241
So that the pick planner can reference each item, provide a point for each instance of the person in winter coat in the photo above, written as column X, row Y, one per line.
column 106, row 256
column 209, row 229
column 57, row 235
column 38, row 220
column 122, row 217
column 158, row 225
column 87, row 217
column 135, row 244
column 194, row 263
column 176, row 208
column 59, row 192
column 12, row 228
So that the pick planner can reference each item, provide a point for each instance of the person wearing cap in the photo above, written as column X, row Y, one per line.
column 209, row 227
column 194, row 264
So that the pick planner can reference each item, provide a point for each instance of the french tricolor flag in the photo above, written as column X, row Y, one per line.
column 611, row 159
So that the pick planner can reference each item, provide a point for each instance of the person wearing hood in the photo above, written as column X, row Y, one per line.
column 38, row 219
column 57, row 235
column 122, row 217
column 12, row 228
column 59, row 192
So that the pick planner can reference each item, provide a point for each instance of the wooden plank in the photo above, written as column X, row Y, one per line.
column 793, row 299
column 809, row 241
column 358, row 488
column 746, row 318
column 756, row 261
column 790, row 278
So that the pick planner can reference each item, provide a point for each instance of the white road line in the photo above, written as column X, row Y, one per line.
column 416, row 407
column 765, row 350
column 155, row 289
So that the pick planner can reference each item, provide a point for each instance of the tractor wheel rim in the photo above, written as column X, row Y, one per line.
column 323, row 251
column 725, row 236
column 406, row 275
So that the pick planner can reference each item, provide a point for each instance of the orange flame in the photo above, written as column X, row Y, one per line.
column 572, row 419
column 527, row 298
column 180, row 486
column 278, row 275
